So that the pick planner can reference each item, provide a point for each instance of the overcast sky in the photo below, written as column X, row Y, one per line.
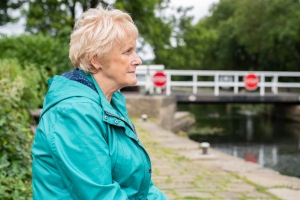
column 201, row 7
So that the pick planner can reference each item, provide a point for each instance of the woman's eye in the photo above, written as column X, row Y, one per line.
column 128, row 51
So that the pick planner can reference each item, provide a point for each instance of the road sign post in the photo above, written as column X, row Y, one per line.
column 251, row 81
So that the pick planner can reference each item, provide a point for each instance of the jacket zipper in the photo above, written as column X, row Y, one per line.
column 132, row 127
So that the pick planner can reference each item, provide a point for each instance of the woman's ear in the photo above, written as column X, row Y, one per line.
column 94, row 61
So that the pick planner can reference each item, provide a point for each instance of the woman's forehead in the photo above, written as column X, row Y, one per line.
column 126, row 41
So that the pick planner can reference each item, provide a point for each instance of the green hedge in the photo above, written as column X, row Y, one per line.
column 20, row 91
column 39, row 50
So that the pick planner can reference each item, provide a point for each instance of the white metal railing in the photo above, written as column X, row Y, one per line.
column 145, row 73
column 233, row 79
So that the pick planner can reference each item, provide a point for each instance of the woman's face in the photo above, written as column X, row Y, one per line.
column 121, row 65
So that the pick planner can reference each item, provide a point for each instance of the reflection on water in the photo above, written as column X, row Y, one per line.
column 249, row 128
column 248, row 134
column 264, row 155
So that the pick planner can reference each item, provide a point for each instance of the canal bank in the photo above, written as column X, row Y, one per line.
column 245, row 131
column 182, row 172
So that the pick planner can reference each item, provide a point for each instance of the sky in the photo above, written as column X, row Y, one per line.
column 200, row 10
column 200, row 7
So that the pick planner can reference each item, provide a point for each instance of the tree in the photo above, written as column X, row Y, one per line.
column 191, row 44
column 275, row 28
column 153, row 27
column 6, row 7
column 54, row 16
column 50, row 16
column 255, row 35
column 57, row 17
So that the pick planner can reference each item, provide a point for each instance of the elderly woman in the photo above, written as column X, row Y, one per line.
column 85, row 146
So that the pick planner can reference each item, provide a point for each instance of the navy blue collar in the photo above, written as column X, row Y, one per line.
column 76, row 75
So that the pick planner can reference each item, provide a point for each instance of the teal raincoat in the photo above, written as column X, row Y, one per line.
column 87, row 148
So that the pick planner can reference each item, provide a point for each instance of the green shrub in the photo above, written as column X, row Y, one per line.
column 39, row 50
column 19, row 92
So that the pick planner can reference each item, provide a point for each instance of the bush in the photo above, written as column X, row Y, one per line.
column 39, row 50
column 19, row 92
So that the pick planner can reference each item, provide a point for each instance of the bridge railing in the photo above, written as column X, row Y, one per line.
column 219, row 79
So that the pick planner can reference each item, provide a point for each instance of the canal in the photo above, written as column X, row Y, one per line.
column 248, row 132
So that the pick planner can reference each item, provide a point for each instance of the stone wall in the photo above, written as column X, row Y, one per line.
column 291, row 112
column 183, row 121
column 162, row 108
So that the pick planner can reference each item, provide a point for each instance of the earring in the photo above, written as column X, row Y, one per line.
column 99, row 68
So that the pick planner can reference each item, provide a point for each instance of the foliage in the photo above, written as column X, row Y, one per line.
column 39, row 50
column 191, row 48
column 18, row 93
column 57, row 17
column 238, row 35
column 154, row 28
column 6, row 6
column 254, row 35
column 54, row 16
column 50, row 16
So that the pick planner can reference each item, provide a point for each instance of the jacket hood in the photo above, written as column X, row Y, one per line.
column 61, row 88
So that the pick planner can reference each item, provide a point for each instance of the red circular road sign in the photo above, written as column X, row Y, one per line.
column 159, row 79
column 251, row 81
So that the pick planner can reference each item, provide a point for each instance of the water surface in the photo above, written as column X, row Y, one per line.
column 245, row 131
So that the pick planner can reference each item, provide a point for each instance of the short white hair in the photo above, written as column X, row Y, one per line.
column 95, row 34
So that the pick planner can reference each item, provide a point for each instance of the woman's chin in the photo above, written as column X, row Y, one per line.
column 132, row 82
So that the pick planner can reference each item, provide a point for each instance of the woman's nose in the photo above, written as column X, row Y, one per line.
column 137, row 60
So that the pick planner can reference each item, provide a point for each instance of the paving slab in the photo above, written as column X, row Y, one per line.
column 286, row 193
column 181, row 170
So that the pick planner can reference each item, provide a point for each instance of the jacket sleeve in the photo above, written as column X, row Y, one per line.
column 81, row 153
column 155, row 194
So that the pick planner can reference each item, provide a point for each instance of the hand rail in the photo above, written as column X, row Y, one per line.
column 235, row 80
